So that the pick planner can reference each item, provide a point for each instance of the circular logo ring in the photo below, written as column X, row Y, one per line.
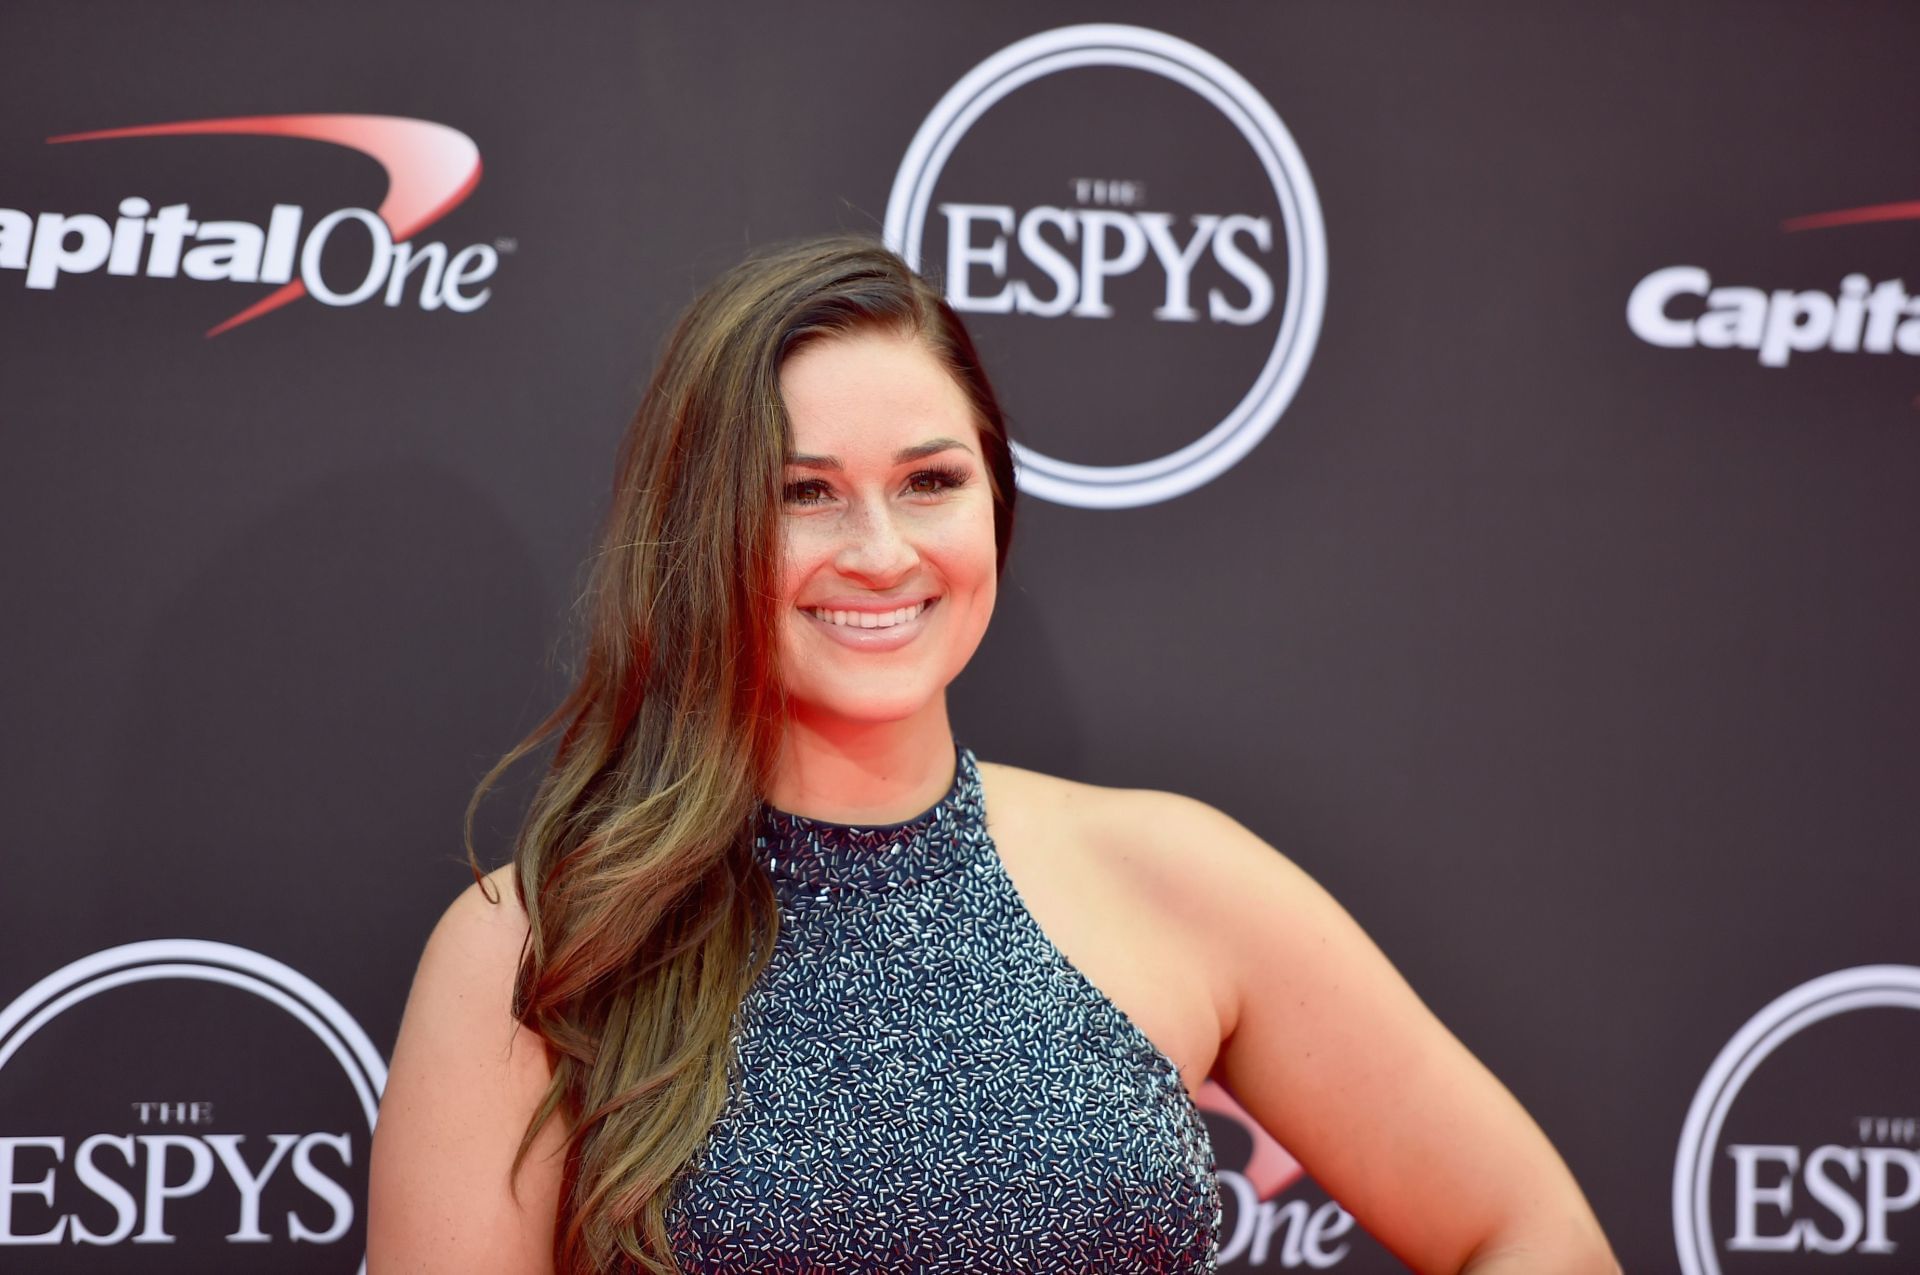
column 207, row 962
column 1862, row 987
column 1106, row 44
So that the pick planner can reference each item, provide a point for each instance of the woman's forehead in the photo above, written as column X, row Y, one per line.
column 869, row 396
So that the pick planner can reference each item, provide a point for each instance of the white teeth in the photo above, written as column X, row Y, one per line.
column 868, row 619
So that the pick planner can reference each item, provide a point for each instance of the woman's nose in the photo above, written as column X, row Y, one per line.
column 875, row 546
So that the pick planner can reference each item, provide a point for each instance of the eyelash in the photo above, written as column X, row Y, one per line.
column 947, row 477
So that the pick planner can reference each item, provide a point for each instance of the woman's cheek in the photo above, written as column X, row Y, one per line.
column 802, row 549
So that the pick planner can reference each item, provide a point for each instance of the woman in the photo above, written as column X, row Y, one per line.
column 783, row 979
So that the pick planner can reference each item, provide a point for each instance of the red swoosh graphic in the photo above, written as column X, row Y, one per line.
column 430, row 168
column 1909, row 211
column 1271, row 1168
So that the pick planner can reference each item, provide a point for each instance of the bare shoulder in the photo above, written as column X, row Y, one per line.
column 1202, row 876
column 465, row 1081
column 484, row 920
column 1033, row 795
column 1192, row 856
column 463, row 988
column 465, row 979
column 1027, row 797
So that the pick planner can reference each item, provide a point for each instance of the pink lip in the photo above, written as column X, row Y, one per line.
column 887, row 639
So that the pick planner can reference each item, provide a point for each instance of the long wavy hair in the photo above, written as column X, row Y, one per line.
column 648, row 917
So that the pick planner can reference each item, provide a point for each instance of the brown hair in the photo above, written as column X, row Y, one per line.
column 648, row 917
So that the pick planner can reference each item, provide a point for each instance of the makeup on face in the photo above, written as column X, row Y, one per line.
column 889, row 565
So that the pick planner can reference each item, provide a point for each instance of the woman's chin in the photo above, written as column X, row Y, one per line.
column 864, row 708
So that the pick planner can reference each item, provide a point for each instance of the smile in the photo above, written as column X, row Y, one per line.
column 871, row 631
column 870, row 619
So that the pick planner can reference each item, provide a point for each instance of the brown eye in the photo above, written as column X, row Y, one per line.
column 808, row 491
column 928, row 482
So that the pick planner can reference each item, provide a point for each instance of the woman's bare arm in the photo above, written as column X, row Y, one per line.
column 1336, row 1056
column 465, row 1079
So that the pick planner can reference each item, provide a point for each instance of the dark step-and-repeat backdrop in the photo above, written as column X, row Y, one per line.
column 1477, row 447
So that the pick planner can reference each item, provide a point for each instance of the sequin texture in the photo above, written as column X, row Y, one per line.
column 924, row 1083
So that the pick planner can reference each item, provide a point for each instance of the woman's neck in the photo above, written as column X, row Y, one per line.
column 864, row 773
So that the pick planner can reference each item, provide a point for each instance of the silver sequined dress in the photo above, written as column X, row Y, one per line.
column 925, row 1084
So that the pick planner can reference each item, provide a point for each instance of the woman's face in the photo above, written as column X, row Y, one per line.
column 888, row 563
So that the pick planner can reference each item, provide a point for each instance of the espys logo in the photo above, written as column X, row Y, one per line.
column 1265, row 1229
column 1679, row 307
column 1809, row 1115
column 1123, row 220
column 196, row 1097
column 430, row 169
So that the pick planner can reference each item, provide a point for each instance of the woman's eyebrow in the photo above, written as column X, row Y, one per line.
column 916, row 452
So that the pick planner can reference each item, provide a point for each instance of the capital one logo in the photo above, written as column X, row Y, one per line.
column 1681, row 307
column 1827, row 1164
column 197, row 1097
column 430, row 168
column 1064, row 257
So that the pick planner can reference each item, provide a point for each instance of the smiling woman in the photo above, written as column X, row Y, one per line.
column 888, row 545
column 784, row 979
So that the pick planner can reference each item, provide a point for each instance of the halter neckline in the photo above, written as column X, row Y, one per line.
column 807, row 856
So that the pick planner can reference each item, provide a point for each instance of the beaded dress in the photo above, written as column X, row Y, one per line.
column 924, row 1083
